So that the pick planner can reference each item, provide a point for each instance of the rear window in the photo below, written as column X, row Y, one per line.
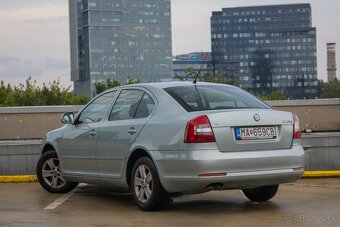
column 210, row 97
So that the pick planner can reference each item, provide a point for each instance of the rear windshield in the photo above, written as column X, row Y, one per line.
column 210, row 97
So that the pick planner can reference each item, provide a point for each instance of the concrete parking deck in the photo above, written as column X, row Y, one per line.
column 304, row 203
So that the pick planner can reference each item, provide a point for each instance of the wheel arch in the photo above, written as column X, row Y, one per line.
column 48, row 147
column 134, row 156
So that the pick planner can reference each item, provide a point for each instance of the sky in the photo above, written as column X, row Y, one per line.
column 34, row 34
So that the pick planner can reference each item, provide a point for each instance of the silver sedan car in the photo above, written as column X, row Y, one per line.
column 168, row 139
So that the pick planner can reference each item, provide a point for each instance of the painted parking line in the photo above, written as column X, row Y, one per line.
column 60, row 200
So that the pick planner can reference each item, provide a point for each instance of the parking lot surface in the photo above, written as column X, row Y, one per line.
column 304, row 203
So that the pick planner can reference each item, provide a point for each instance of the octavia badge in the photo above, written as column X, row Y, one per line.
column 256, row 117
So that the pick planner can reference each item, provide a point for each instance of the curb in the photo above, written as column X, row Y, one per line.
column 18, row 179
column 33, row 178
column 324, row 173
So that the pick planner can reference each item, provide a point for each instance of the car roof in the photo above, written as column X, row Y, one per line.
column 162, row 85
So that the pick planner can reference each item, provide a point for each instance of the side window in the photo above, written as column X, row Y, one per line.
column 145, row 107
column 132, row 104
column 126, row 105
column 96, row 111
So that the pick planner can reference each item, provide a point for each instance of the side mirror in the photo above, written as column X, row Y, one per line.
column 67, row 118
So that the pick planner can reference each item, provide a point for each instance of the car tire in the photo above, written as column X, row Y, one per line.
column 50, row 176
column 261, row 194
column 147, row 191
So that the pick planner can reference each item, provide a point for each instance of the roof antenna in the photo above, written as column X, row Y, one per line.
column 199, row 71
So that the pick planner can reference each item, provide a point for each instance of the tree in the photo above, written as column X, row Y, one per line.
column 177, row 76
column 113, row 83
column 30, row 94
column 225, row 77
column 132, row 81
column 221, row 78
column 275, row 95
column 321, row 87
column 5, row 92
column 101, row 86
column 329, row 89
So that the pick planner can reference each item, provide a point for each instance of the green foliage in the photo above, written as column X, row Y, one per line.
column 113, row 83
column 321, row 87
column 30, row 94
column 177, row 76
column 132, row 81
column 329, row 89
column 275, row 95
column 101, row 86
column 5, row 91
column 222, row 78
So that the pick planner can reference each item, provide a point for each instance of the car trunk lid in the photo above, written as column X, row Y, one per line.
column 252, row 129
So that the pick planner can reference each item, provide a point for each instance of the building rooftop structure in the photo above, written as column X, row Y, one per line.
column 185, row 66
column 331, row 61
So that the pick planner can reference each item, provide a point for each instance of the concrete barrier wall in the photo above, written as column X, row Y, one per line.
column 318, row 115
column 31, row 122
column 19, row 125
column 322, row 150
column 19, row 157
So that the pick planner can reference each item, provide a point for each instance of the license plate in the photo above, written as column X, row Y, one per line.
column 255, row 133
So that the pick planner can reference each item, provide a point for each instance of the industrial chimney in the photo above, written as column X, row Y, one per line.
column 331, row 62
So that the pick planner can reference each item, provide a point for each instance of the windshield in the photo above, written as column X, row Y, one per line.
column 210, row 97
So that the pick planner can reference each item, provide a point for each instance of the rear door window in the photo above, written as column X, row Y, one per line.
column 145, row 107
column 132, row 104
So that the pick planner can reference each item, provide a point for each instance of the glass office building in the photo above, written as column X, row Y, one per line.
column 268, row 48
column 117, row 40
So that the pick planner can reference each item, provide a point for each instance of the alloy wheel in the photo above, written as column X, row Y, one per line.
column 51, row 173
column 143, row 183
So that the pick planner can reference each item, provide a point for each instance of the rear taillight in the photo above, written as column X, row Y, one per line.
column 199, row 130
column 297, row 132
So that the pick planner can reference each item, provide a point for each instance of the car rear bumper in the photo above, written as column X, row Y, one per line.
column 208, row 169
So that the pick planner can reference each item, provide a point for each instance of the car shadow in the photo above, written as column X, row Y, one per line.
column 215, row 206
column 188, row 203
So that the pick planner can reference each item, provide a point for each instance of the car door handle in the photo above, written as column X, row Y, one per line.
column 132, row 130
column 92, row 133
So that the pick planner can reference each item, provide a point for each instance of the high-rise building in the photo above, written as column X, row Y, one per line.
column 268, row 48
column 331, row 62
column 118, row 39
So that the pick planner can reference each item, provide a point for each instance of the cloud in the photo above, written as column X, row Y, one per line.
column 33, row 11
column 12, row 67
column 53, row 63
column 5, row 60
column 19, row 4
column 47, row 21
column 35, row 32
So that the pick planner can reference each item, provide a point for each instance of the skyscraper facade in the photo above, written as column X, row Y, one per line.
column 117, row 40
column 268, row 48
